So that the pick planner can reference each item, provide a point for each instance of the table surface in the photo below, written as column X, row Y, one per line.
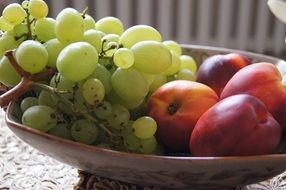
column 22, row 167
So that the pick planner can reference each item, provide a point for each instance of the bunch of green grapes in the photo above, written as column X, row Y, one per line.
column 104, row 74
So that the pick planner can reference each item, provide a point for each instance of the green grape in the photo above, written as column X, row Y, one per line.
column 130, row 104
column 102, row 74
column 40, row 117
column 119, row 117
column 53, row 47
column 79, row 103
column 128, row 129
column 7, row 42
column 89, row 22
column 48, row 99
column 32, row 56
column 148, row 77
column 8, row 75
column 158, row 81
column 139, row 33
column 176, row 64
column 151, row 57
column 123, row 58
column 173, row 46
column 38, row 8
column 20, row 30
column 111, row 47
column 5, row 26
column 84, row 131
column 148, row 146
column 28, row 102
column 129, row 84
column 14, row 14
column 186, row 74
column 25, row 4
column 103, row 111
column 131, row 142
column 45, row 28
column 110, row 25
column 93, row 91
column 187, row 62
column 69, row 26
column 77, row 61
column 144, row 127
column 93, row 37
column 61, row 130
column 62, row 84
column 110, row 38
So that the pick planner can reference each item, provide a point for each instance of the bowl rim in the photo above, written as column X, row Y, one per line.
column 92, row 148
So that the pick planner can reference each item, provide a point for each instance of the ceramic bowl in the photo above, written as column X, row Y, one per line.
column 169, row 172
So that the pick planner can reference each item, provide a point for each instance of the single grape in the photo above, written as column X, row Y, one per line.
column 129, row 84
column 119, row 117
column 93, row 37
column 103, row 111
column 158, row 81
column 187, row 62
column 148, row 146
column 176, row 64
column 14, row 14
column 25, row 4
column 79, row 103
column 144, row 127
column 139, row 33
column 38, row 8
column 40, row 117
column 5, row 26
column 89, row 22
column 151, row 57
column 62, row 84
column 173, row 46
column 131, row 142
column 32, row 56
column 8, row 75
column 77, row 61
column 110, row 38
column 186, row 74
column 53, row 47
column 128, row 129
column 20, row 30
column 84, row 131
column 130, row 104
column 7, row 42
column 47, row 98
column 102, row 74
column 93, row 91
column 148, row 77
column 45, row 28
column 110, row 25
column 69, row 26
column 28, row 102
column 61, row 130
column 123, row 58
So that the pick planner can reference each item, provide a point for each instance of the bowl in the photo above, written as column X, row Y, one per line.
column 168, row 172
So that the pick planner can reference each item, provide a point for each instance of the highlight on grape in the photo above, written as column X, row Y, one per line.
column 86, row 80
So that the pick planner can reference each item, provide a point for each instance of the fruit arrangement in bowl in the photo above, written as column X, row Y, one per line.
column 129, row 105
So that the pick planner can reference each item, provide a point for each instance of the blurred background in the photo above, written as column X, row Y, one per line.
column 239, row 24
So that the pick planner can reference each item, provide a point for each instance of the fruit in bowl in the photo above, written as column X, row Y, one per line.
column 104, row 98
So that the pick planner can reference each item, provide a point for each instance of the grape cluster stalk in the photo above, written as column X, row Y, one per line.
column 85, row 80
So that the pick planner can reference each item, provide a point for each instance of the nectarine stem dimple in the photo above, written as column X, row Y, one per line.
column 173, row 108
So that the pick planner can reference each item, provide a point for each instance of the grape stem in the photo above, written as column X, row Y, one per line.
column 25, row 84
column 30, row 35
